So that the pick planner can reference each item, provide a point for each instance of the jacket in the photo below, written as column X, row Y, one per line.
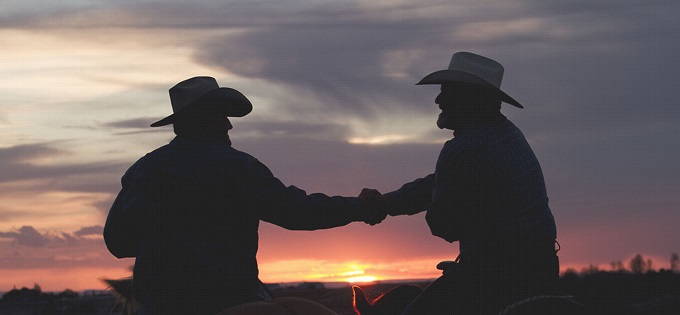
column 487, row 192
column 189, row 213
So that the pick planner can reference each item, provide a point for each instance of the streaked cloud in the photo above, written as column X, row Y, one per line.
column 97, row 230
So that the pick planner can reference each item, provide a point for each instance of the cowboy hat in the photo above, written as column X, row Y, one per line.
column 203, row 95
column 470, row 68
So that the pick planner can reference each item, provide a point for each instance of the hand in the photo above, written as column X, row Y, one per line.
column 377, row 206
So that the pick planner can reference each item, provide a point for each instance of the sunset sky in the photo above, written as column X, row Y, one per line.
column 335, row 110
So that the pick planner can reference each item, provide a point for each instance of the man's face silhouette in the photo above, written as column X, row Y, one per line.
column 455, row 101
column 460, row 103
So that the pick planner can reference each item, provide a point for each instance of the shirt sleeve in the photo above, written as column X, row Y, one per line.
column 121, row 230
column 411, row 198
column 293, row 209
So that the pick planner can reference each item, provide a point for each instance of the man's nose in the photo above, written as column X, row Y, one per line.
column 438, row 99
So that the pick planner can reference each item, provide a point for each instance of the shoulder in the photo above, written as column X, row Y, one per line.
column 147, row 162
column 244, row 158
column 464, row 146
column 248, row 163
column 138, row 168
column 475, row 146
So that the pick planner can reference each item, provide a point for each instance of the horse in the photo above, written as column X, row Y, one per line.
column 122, row 288
column 393, row 301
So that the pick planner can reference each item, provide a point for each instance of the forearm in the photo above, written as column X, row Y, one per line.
column 292, row 208
column 299, row 211
column 411, row 198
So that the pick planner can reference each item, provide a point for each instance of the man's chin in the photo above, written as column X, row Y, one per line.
column 442, row 122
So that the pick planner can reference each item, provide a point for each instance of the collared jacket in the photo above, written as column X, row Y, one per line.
column 189, row 213
column 487, row 192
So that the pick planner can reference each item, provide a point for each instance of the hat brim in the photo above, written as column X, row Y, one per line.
column 222, row 101
column 455, row 76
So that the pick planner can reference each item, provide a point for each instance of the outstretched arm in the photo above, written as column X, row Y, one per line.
column 292, row 208
column 411, row 198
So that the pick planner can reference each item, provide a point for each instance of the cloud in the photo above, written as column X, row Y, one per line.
column 36, row 189
column 352, row 68
column 25, row 153
column 33, row 162
column 32, row 255
column 26, row 236
column 134, row 124
column 292, row 130
column 337, row 167
column 90, row 230
column 30, row 237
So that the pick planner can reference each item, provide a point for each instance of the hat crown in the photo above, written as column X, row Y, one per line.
column 482, row 67
column 189, row 90
column 203, row 96
column 474, row 69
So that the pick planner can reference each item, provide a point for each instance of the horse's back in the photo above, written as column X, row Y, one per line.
column 280, row 306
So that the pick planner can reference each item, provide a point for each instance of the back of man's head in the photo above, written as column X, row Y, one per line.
column 202, row 125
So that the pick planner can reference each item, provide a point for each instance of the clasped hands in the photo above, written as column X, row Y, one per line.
column 377, row 206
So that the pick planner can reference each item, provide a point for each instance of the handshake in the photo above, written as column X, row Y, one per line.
column 376, row 210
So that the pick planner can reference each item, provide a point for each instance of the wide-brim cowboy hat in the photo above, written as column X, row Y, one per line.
column 201, row 96
column 473, row 69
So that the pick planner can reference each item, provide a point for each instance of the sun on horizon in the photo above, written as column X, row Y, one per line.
column 362, row 279
column 357, row 276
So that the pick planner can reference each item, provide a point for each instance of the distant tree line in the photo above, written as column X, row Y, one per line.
column 637, row 265
column 635, row 286
column 31, row 295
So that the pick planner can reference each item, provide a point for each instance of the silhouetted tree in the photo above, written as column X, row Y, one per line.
column 675, row 262
column 637, row 264
column 617, row 266
column 590, row 270
column 23, row 294
column 570, row 273
column 68, row 294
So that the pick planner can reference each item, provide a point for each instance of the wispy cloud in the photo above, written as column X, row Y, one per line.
column 34, row 162
column 90, row 230
column 76, row 260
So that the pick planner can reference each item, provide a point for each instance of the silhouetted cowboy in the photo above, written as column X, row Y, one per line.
column 189, row 211
column 487, row 193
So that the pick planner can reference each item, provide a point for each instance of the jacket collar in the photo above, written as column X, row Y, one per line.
column 201, row 139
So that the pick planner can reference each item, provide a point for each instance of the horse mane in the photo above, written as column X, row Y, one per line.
column 122, row 289
column 393, row 301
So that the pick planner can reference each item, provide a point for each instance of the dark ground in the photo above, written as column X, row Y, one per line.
column 653, row 293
